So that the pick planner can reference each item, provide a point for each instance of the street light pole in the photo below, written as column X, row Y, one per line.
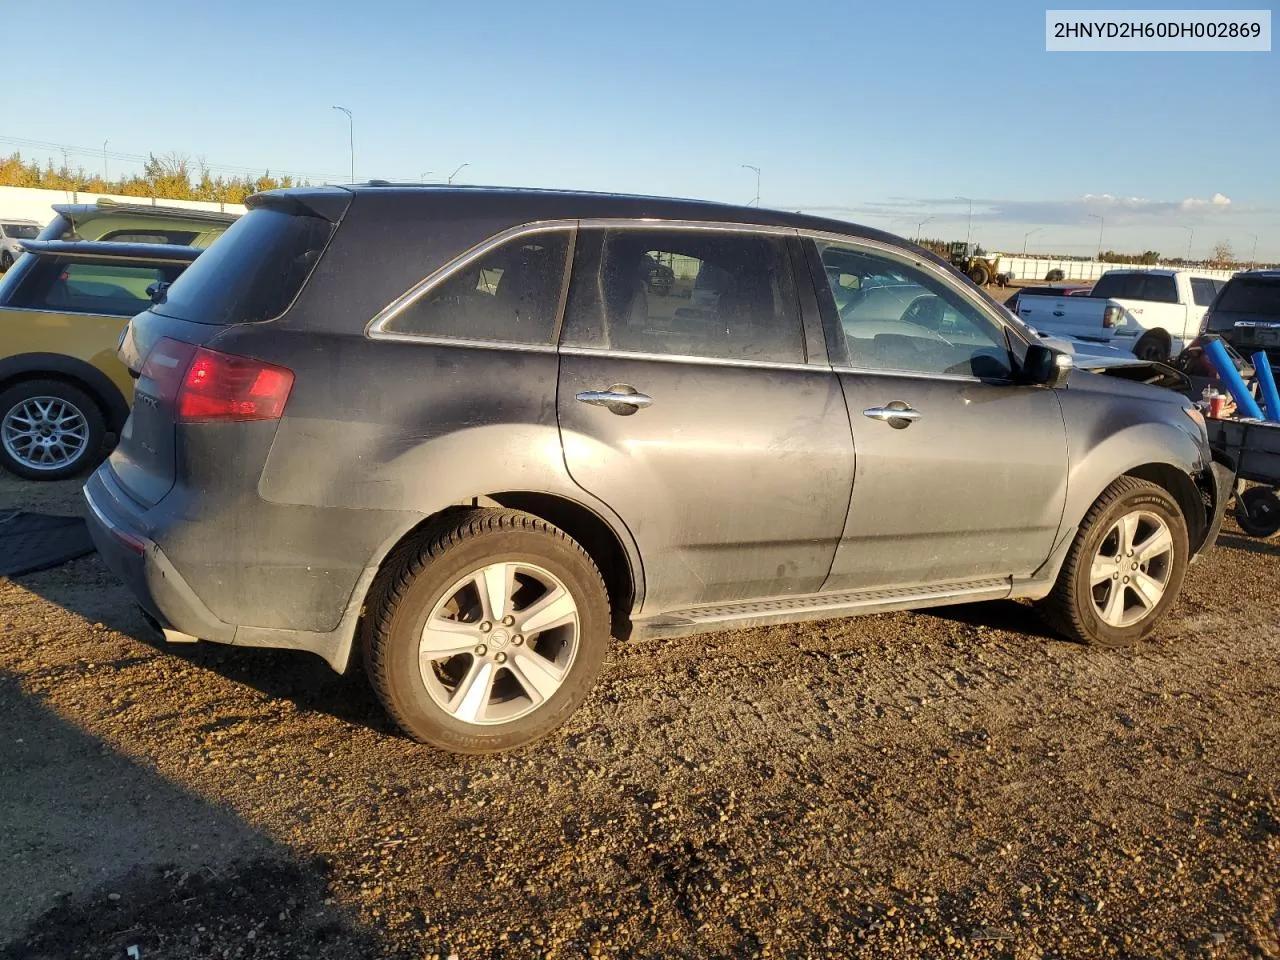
column 1101, row 223
column 105, row 175
column 968, row 233
column 1026, row 235
column 1253, row 254
column 920, row 226
column 747, row 166
column 457, row 171
column 1192, row 235
column 423, row 177
column 351, row 138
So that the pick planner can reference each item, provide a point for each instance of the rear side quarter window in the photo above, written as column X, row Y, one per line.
column 508, row 294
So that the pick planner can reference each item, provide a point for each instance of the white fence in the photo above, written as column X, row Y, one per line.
column 34, row 203
column 1035, row 268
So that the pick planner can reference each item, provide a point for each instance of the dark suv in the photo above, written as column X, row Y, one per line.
column 457, row 427
column 1246, row 313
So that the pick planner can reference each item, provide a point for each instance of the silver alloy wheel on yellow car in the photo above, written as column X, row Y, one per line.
column 1130, row 571
column 499, row 643
column 44, row 433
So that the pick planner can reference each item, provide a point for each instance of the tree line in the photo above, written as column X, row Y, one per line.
column 170, row 177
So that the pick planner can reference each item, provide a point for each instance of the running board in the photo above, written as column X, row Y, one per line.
column 759, row 613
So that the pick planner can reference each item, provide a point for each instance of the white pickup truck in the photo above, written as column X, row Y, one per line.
column 1154, row 313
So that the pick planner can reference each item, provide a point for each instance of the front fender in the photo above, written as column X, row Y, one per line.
column 1099, row 463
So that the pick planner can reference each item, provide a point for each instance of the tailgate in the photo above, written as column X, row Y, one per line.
column 1066, row 316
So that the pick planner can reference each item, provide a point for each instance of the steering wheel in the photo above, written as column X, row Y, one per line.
column 926, row 311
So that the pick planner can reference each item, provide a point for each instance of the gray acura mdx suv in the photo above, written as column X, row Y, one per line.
column 462, row 429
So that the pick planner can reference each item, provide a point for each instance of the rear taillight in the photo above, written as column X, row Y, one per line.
column 1111, row 316
column 206, row 385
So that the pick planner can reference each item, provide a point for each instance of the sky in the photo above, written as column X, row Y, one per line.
column 880, row 113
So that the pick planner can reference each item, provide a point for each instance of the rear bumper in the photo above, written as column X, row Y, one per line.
column 168, row 597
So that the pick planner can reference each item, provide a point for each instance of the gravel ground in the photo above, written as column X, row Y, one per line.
column 954, row 784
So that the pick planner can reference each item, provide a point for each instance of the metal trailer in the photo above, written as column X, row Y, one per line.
column 1253, row 449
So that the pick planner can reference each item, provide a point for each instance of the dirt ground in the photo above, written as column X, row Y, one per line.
column 927, row 785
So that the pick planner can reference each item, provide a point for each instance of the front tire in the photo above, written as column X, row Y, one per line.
column 6, row 260
column 1124, row 569
column 488, row 634
column 980, row 276
column 49, row 430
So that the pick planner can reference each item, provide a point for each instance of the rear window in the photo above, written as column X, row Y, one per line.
column 1257, row 295
column 110, row 289
column 252, row 272
column 1118, row 286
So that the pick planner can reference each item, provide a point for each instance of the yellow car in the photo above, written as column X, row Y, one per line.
column 63, row 308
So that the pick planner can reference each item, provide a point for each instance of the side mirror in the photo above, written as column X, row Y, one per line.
column 1046, row 366
column 157, row 291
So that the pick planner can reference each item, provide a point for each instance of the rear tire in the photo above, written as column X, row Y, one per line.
column 73, row 420
column 1054, row 275
column 1084, row 605
column 1154, row 346
column 455, row 671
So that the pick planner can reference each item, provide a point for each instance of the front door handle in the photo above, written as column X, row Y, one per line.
column 621, row 398
column 1059, row 313
column 897, row 414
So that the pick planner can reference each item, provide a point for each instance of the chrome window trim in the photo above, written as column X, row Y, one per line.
column 919, row 375
column 611, row 354
column 375, row 329
column 897, row 253
column 429, row 340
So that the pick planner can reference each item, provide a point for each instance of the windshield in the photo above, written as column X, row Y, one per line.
column 21, row 231
column 1251, row 295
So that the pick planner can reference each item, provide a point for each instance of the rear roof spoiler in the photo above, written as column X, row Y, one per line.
column 328, row 203
column 74, row 210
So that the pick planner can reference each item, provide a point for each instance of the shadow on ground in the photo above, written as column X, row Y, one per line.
column 1266, row 548
column 87, row 589
column 1007, row 615
column 111, row 855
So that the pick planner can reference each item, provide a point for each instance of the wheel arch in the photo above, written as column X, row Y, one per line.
column 56, row 366
column 1183, row 488
column 614, row 552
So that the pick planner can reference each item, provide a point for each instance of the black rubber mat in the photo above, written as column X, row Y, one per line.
column 37, row 541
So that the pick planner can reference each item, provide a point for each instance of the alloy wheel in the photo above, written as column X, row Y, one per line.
column 45, row 433
column 1131, row 568
column 499, row 643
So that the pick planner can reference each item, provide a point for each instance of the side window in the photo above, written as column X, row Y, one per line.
column 689, row 293
column 101, row 288
column 898, row 317
column 1203, row 291
column 510, row 294
column 1160, row 289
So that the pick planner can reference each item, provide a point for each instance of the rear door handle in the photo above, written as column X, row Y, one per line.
column 1059, row 313
column 621, row 398
column 897, row 414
